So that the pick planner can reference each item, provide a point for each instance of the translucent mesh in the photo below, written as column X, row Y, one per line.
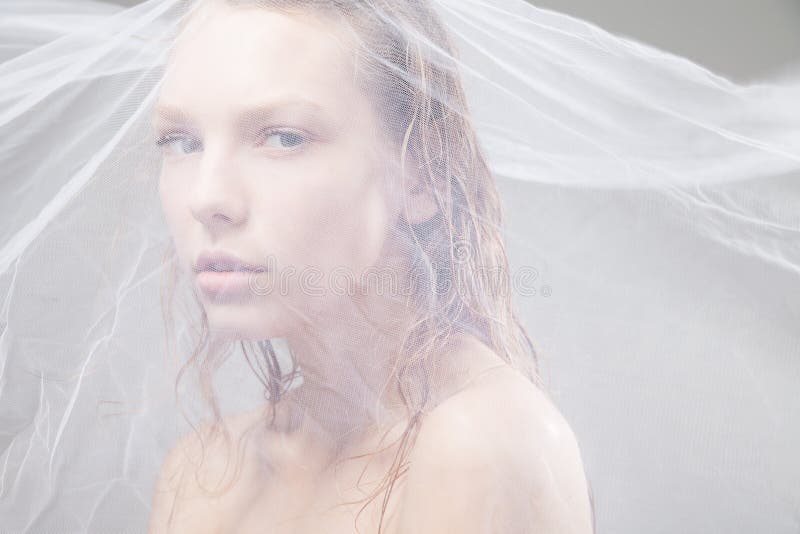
column 389, row 266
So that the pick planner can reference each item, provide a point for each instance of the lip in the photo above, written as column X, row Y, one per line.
column 223, row 262
column 220, row 274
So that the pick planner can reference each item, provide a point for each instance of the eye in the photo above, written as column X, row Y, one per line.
column 284, row 139
column 180, row 145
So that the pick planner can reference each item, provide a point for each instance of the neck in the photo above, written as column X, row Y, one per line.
column 349, row 364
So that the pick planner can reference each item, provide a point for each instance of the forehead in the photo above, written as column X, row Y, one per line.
column 228, row 56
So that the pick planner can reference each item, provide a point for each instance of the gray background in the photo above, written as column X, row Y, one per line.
column 741, row 39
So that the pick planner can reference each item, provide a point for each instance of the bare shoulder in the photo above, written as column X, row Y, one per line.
column 202, row 474
column 497, row 457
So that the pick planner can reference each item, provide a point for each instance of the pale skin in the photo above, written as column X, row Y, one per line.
column 272, row 150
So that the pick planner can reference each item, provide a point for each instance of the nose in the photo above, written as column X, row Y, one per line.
column 216, row 198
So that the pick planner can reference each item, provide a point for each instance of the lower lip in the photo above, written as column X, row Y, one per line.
column 225, row 283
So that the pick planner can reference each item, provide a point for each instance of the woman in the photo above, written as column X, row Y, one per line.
column 323, row 185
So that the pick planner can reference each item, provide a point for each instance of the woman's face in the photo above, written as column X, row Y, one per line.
column 275, row 169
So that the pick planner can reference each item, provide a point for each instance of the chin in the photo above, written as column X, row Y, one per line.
column 245, row 321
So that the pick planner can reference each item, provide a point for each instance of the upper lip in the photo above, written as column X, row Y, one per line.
column 221, row 261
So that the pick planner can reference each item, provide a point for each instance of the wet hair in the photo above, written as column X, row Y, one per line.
column 408, row 66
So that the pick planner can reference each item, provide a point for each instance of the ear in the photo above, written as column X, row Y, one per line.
column 420, row 200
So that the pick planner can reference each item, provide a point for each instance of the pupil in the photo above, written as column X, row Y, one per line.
column 289, row 139
column 190, row 145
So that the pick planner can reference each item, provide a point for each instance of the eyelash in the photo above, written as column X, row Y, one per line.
column 163, row 140
column 269, row 132
column 167, row 138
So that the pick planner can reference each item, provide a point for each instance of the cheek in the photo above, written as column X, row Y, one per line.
column 355, row 228
column 172, row 195
column 328, row 217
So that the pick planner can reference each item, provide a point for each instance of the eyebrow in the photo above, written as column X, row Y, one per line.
column 170, row 113
column 248, row 114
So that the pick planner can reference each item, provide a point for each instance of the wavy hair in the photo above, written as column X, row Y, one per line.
column 408, row 65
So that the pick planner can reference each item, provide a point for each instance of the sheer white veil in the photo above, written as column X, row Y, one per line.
column 651, row 221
